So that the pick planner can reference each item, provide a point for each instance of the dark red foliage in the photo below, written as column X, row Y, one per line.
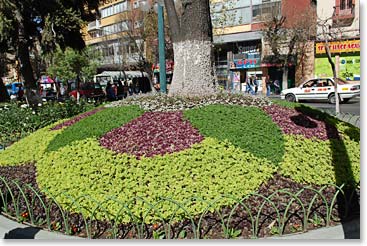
column 76, row 119
column 153, row 133
column 295, row 122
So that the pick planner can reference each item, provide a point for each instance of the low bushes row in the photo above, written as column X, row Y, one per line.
column 18, row 121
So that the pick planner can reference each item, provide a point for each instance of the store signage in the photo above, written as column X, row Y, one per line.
column 339, row 47
column 245, row 63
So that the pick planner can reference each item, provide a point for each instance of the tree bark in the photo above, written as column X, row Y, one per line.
column 4, row 96
column 332, row 64
column 192, row 46
column 26, row 70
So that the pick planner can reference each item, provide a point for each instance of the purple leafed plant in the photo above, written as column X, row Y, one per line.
column 153, row 133
column 76, row 119
column 294, row 122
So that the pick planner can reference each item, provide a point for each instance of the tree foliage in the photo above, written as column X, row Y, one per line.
column 25, row 24
column 70, row 63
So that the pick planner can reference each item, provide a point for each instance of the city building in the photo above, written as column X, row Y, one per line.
column 115, row 34
column 241, row 50
column 341, row 20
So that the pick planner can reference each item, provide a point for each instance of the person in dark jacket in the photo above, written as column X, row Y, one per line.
column 110, row 92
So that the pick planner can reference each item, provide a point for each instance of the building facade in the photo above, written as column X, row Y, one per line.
column 342, row 20
column 241, row 50
column 115, row 34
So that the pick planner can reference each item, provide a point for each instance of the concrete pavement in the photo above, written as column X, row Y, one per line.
column 13, row 230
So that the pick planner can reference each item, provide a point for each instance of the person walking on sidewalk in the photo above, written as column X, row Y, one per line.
column 268, row 83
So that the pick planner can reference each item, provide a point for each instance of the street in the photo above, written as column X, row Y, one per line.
column 352, row 107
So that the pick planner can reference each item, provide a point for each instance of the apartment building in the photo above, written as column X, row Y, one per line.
column 114, row 34
column 240, row 48
column 341, row 17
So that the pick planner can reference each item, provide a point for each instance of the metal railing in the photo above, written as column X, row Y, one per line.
column 274, row 212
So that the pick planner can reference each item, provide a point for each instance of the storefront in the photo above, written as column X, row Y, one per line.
column 349, row 59
column 244, row 66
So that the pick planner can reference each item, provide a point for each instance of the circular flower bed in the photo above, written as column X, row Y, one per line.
column 189, row 156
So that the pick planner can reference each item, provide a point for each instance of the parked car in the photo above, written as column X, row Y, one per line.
column 13, row 88
column 87, row 90
column 322, row 89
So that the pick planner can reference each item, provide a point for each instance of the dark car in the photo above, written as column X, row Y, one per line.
column 87, row 90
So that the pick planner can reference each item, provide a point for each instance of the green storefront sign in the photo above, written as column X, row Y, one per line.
column 349, row 66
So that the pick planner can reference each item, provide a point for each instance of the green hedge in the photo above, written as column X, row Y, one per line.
column 95, row 125
column 246, row 127
column 17, row 121
column 207, row 170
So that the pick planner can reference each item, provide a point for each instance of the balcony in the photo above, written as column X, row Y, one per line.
column 343, row 17
column 95, row 25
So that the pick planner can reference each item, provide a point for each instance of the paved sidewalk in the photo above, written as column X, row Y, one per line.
column 348, row 230
column 13, row 230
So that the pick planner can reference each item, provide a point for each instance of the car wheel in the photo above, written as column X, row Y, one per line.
column 290, row 98
column 332, row 99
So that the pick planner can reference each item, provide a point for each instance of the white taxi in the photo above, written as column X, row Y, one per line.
column 321, row 89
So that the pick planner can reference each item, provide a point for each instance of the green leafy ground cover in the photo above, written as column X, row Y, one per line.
column 96, row 125
column 230, row 160
column 246, row 127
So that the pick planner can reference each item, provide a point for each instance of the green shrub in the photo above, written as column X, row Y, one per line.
column 207, row 170
column 246, row 127
column 95, row 125
column 319, row 162
column 18, row 121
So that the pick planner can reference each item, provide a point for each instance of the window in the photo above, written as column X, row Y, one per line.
column 266, row 8
column 114, row 9
column 350, row 4
column 342, row 4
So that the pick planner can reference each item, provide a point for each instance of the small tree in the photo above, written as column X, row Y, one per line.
column 287, row 36
column 69, row 64
column 328, row 34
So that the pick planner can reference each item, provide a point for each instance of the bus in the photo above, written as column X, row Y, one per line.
column 114, row 76
column 134, row 79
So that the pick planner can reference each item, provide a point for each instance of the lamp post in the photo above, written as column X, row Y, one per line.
column 158, row 6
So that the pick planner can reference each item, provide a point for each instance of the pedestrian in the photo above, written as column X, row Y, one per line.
column 110, row 92
column 268, row 83
column 20, row 92
column 114, row 87
column 249, row 85
column 276, row 87
column 256, row 85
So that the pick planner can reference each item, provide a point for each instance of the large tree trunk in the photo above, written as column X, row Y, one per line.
column 193, row 74
column 4, row 96
column 192, row 46
column 26, row 70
